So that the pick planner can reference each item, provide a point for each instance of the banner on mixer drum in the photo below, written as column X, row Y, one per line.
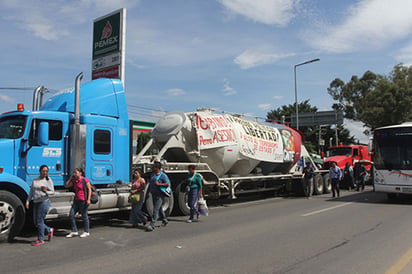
column 256, row 141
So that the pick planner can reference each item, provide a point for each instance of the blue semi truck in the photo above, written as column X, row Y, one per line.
column 64, row 133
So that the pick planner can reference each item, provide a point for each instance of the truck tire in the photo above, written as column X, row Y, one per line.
column 12, row 216
column 318, row 184
column 167, row 204
column 181, row 196
column 327, row 186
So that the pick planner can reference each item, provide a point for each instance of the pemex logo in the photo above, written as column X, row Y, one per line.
column 107, row 31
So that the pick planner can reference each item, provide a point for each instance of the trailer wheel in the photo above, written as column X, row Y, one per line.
column 327, row 186
column 12, row 216
column 318, row 184
column 167, row 204
column 182, row 198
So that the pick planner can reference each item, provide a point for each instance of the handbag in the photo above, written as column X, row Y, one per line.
column 202, row 207
column 134, row 198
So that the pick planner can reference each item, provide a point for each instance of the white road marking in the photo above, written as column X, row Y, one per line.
column 325, row 209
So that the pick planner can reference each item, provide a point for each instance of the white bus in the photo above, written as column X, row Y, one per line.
column 392, row 157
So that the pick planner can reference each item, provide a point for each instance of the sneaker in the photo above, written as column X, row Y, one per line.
column 85, row 234
column 37, row 243
column 164, row 223
column 72, row 234
column 149, row 228
column 197, row 216
column 188, row 221
column 50, row 235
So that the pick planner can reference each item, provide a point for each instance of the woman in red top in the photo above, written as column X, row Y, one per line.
column 81, row 201
column 136, row 214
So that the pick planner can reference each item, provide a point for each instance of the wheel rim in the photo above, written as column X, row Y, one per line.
column 6, row 216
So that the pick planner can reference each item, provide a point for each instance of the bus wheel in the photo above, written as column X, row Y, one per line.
column 12, row 216
column 167, row 205
column 318, row 184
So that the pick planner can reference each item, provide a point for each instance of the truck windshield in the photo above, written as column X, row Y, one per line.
column 393, row 148
column 339, row 151
column 12, row 127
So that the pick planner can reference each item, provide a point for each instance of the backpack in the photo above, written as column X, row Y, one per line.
column 94, row 198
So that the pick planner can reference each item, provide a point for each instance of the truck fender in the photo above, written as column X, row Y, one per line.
column 9, row 179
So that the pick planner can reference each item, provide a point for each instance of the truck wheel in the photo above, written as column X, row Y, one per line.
column 167, row 204
column 12, row 216
column 181, row 196
column 327, row 187
column 318, row 184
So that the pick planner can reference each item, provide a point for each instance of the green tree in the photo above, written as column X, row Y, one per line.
column 375, row 100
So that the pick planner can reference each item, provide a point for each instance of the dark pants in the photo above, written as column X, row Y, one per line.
column 191, row 200
column 136, row 214
column 360, row 182
column 335, row 187
column 307, row 186
column 39, row 213
column 79, row 206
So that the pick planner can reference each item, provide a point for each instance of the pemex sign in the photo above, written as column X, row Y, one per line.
column 109, row 45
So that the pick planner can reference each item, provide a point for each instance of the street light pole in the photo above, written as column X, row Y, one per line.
column 296, row 89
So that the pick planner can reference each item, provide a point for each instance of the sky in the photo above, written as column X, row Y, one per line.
column 236, row 56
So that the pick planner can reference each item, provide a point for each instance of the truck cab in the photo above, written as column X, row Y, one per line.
column 67, row 131
column 343, row 154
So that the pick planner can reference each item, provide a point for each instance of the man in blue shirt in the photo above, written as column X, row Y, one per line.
column 158, row 180
column 335, row 175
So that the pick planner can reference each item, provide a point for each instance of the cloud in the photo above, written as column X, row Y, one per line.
column 405, row 55
column 6, row 98
column 264, row 106
column 175, row 92
column 356, row 129
column 370, row 24
column 251, row 58
column 270, row 12
column 227, row 89
column 278, row 97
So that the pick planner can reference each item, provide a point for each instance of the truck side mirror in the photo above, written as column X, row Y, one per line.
column 43, row 134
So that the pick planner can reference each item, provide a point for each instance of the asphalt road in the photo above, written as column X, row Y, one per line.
column 357, row 233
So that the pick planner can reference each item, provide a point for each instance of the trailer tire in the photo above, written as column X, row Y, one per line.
column 182, row 198
column 318, row 184
column 327, row 186
column 167, row 204
column 12, row 216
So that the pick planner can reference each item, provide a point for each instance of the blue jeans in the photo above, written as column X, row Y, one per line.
column 191, row 200
column 307, row 186
column 157, row 209
column 39, row 213
column 136, row 214
column 79, row 206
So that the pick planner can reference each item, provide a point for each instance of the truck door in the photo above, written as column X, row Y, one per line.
column 101, row 166
column 51, row 155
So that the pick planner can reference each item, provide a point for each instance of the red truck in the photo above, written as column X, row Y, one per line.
column 343, row 154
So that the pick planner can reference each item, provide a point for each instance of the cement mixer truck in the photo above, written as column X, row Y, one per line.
column 234, row 155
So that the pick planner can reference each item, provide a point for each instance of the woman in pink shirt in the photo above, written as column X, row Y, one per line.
column 81, row 202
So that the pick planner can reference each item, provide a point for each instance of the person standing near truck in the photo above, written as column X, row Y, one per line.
column 81, row 202
column 308, row 174
column 136, row 214
column 359, row 173
column 335, row 175
column 40, row 190
column 158, row 181
column 348, row 176
column 194, row 182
